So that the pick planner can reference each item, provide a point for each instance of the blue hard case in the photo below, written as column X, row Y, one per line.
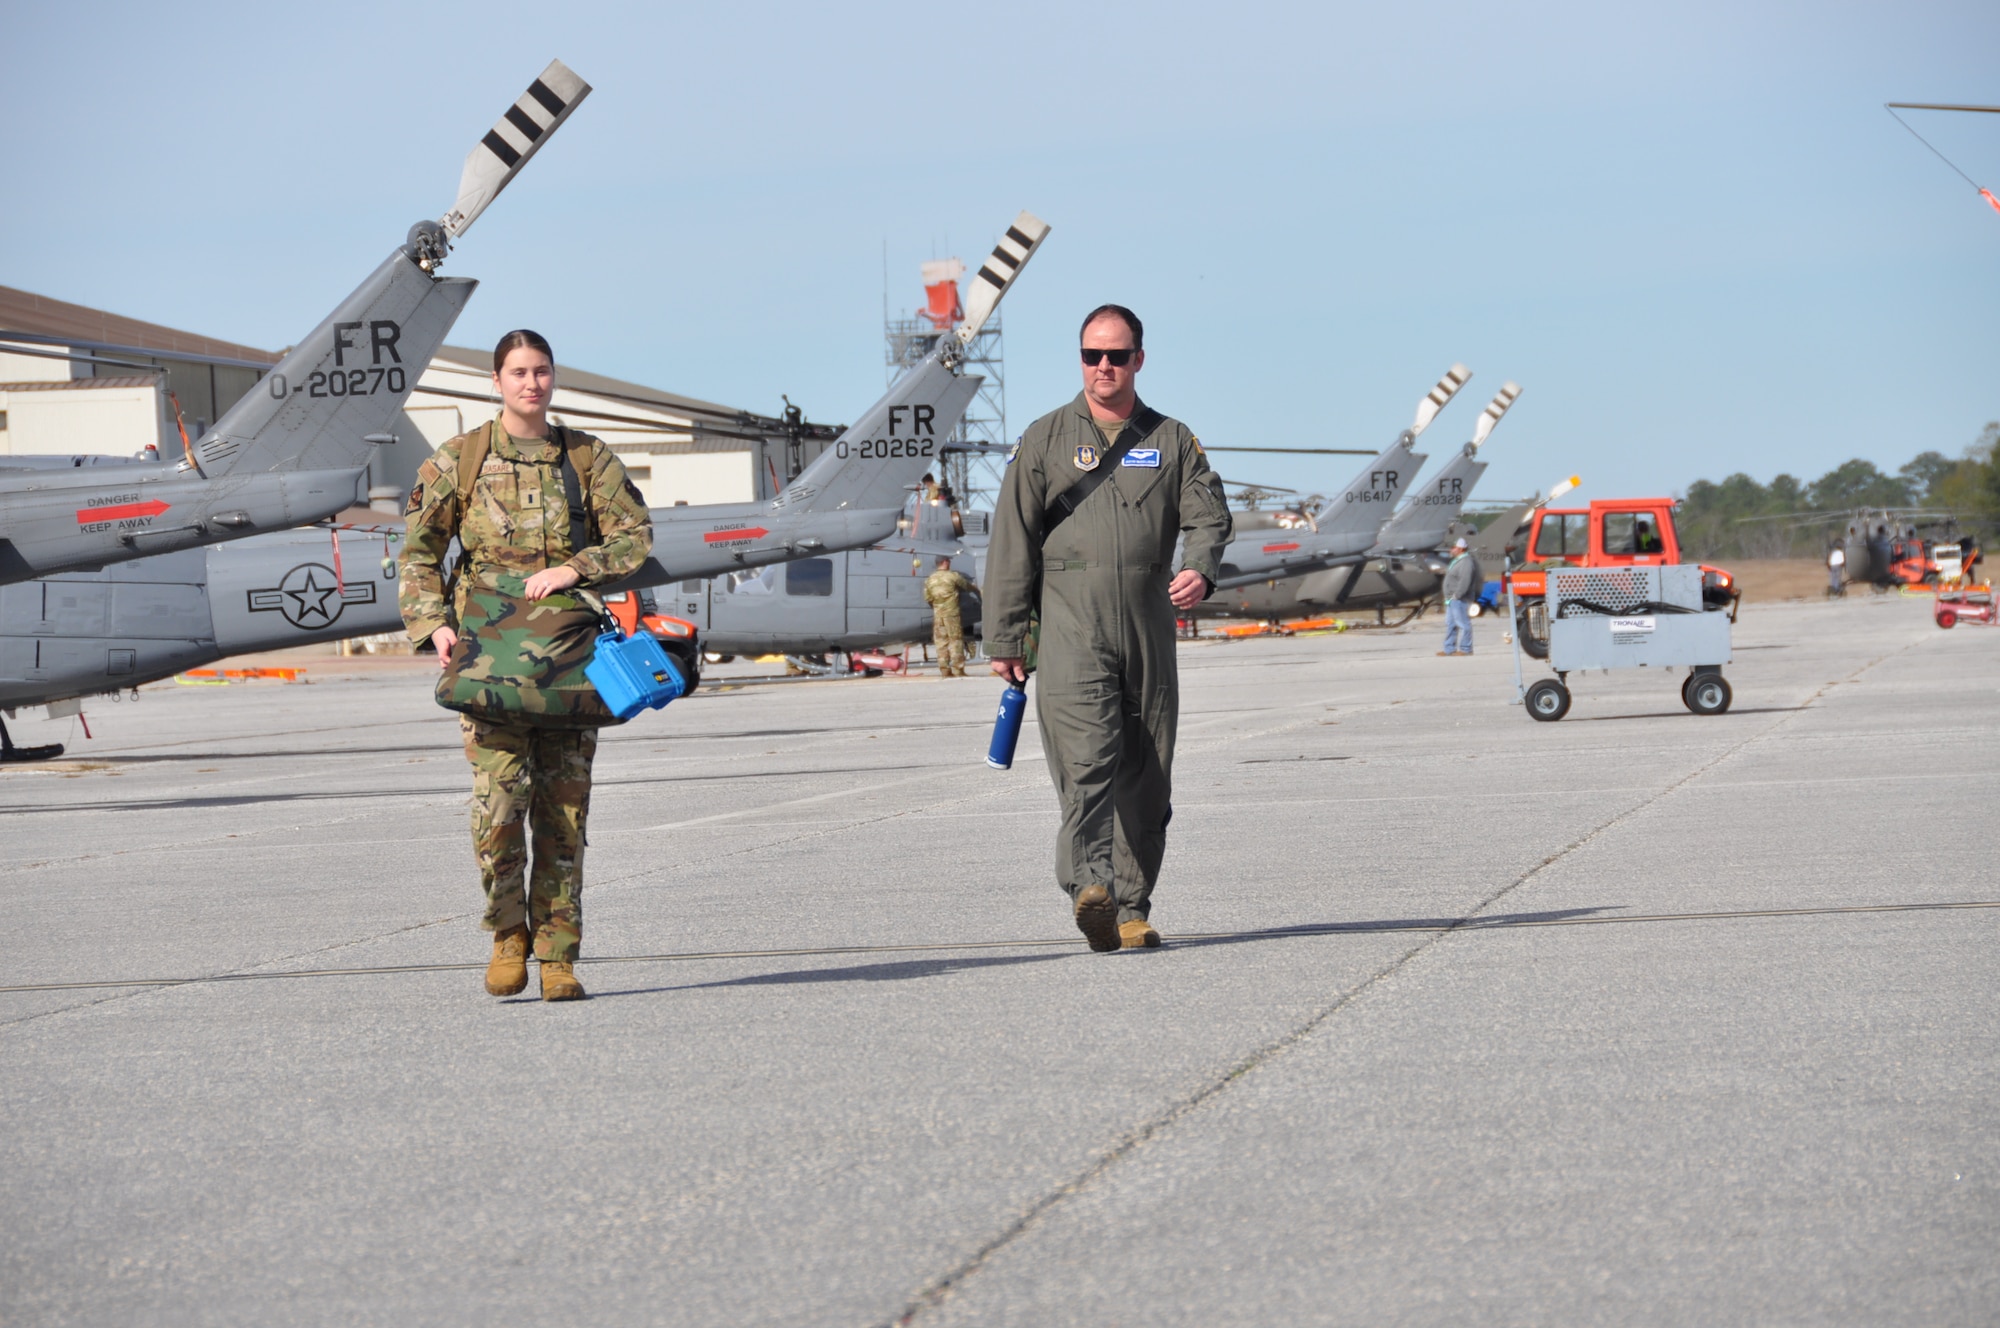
column 633, row 673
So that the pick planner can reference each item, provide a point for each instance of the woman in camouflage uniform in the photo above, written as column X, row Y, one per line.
column 515, row 533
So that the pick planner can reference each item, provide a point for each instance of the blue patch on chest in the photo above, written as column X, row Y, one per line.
column 1149, row 457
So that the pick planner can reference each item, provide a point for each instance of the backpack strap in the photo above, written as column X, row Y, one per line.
column 1137, row 430
column 471, row 458
column 576, row 460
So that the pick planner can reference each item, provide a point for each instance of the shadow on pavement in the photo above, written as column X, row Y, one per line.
column 1486, row 923
column 900, row 971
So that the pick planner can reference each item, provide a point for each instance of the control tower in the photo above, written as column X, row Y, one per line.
column 975, row 479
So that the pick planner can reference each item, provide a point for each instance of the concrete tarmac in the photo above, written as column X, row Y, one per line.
column 1634, row 1018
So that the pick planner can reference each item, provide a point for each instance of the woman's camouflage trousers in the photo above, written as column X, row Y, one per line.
column 531, row 779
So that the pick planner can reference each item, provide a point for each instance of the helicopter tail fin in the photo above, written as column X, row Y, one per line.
column 330, row 402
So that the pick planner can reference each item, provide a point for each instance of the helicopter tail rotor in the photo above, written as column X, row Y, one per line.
column 997, row 273
column 1439, row 397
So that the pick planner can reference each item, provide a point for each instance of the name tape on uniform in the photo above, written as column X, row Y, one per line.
column 1148, row 457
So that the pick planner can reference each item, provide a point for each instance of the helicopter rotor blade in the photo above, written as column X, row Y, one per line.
column 997, row 273
column 1439, row 397
column 1494, row 410
column 1296, row 451
column 516, row 136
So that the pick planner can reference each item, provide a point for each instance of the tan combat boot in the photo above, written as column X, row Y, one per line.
column 559, row 981
column 1097, row 917
column 507, row 971
column 1137, row 934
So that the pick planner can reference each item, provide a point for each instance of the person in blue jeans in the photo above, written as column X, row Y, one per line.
column 1462, row 581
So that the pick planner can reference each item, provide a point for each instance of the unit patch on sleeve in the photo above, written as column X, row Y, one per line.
column 416, row 502
column 1149, row 457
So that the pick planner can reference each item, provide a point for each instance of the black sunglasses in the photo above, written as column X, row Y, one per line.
column 1119, row 358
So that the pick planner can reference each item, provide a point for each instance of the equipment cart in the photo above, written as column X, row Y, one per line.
column 1960, row 603
column 1624, row 618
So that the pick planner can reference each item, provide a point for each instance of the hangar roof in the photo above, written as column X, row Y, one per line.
column 580, row 380
column 38, row 315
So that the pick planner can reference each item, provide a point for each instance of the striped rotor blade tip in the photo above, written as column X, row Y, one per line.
column 1987, row 194
column 515, row 137
column 997, row 273
column 1494, row 410
column 1440, row 396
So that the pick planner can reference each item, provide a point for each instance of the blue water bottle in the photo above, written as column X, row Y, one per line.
column 1007, row 727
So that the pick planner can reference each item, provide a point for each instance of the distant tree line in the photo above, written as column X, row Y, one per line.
column 1711, row 525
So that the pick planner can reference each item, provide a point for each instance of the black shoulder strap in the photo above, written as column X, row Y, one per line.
column 1136, row 430
column 580, row 523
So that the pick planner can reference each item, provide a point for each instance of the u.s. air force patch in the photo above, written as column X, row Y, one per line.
column 1086, row 456
column 416, row 499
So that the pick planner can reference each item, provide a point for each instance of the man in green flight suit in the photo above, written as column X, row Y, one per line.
column 512, row 519
column 941, row 591
column 1083, row 533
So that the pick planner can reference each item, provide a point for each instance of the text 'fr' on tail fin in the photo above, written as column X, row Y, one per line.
column 515, row 137
column 997, row 273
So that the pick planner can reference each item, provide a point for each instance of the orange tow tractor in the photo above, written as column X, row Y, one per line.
column 1611, row 532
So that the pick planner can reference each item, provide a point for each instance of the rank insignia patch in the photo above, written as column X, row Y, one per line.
column 1086, row 456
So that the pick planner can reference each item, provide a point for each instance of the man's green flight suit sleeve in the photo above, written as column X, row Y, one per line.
column 1013, row 573
column 1205, row 519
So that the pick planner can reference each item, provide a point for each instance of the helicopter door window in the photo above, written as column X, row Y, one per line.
column 809, row 576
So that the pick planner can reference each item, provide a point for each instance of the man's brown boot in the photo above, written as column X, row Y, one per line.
column 507, row 971
column 1137, row 934
column 1097, row 917
column 559, row 981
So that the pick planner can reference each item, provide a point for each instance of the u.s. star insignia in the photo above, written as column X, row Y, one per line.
column 1086, row 456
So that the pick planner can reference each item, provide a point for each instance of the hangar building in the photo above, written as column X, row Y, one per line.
column 75, row 380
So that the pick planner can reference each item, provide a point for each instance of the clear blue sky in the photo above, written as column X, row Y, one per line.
column 1692, row 233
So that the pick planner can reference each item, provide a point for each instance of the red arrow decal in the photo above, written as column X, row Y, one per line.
column 1280, row 548
column 122, row 512
column 731, row 536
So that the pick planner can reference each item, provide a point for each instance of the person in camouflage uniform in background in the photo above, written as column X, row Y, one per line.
column 514, row 530
column 941, row 591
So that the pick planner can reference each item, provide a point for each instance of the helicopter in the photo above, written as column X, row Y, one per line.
column 1349, row 524
column 80, row 634
column 295, row 449
column 1410, row 534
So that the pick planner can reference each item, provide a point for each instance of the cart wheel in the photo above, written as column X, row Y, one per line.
column 1946, row 618
column 1531, row 629
column 1706, row 694
column 1547, row 701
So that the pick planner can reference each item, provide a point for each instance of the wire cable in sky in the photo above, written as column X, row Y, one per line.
column 1893, row 106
